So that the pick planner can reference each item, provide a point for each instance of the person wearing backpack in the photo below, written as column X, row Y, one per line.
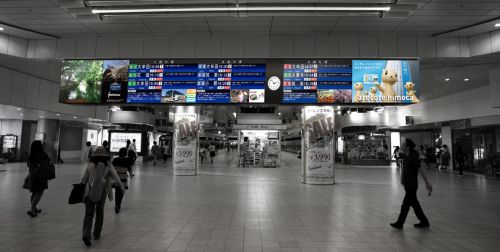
column 121, row 164
column 37, row 182
column 98, row 179
column 132, row 155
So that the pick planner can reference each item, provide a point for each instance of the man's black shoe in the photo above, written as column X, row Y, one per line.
column 422, row 225
column 397, row 225
column 87, row 242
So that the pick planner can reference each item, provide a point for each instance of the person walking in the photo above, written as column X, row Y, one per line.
column 203, row 152
column 437, row 153
column 409, row 179
column 36, row 183
column 423, row 156
column 397, row 155
column 211, row 150
column 155, row 151
column 460, row 159
column 121, row 164
column 445, row 157
column 87, row 152
column 97, row 179
column 132, row 155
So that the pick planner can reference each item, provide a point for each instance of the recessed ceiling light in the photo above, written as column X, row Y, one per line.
column 447, row 79
column 339, row 112
column 19, row 109
column 466, row 79
column 497, row 25
column 1, row 29
column 58, row 114
column 74, row 117
column 21, row 114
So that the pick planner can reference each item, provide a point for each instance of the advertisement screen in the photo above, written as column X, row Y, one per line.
column 81, row 81
column 118, row 140
column 385, row 81
column 251, row 81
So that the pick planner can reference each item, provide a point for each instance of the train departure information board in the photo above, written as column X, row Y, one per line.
column 317, row 82
column 245, row 81
column 196, row 83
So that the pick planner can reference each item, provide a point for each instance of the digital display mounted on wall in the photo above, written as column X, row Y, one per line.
column 218, row 81
column 118, row 140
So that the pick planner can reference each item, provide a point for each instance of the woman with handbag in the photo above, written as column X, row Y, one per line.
column 37, row 182
column 98, row 179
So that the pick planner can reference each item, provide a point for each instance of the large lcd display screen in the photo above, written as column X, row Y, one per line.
column 350, row 81
column 118, row 140
column 217, row 81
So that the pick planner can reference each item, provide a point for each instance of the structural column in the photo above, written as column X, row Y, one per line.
column 185, row 142
column 47, row 131
column 318, row 145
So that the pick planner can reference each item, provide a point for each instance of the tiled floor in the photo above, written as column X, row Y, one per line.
column 226, row 208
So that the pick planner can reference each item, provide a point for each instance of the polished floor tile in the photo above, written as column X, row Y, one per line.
column 226, row 208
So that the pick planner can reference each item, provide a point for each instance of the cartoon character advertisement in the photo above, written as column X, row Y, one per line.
column 385, row 81
column 318, row 146
column 185, row 144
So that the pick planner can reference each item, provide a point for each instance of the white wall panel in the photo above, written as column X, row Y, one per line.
column 32, row 86
column 182, row 47
column 5, row 94
column 17, row 47
column 281, row 46
column 44, row 92
column 426, row 46
column 256, row 46
column 45, row 48
column 407, row 46
column 5, row 75
column 480, row 44
column 388, row 45
column 18, row 89
column 54, row 98
column 66, row 48
column 131, row 47
column 4, row 43
column 448, row 47
column 495, row 41
column 464, row 47
column 157, row 47
column 208, row 47
column 304, row 46
column 368, row 46
column 349, row 46
column 327, row 46
column 85, row 47
column 30, row 53
column 107, row 48
column 233, row 46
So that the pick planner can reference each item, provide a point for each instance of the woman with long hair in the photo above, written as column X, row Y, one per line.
column 36, row 182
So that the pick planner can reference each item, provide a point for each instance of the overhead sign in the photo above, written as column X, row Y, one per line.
column 249, row 81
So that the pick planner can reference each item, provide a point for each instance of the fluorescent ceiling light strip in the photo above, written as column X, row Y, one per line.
column 244, row 8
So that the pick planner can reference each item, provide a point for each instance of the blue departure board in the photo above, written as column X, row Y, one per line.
column 196, row 83
column 317, row 82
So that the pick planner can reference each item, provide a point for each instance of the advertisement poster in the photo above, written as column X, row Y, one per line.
column 318, row 147
column 185, row 143
column 385, row 81
column 118, row 140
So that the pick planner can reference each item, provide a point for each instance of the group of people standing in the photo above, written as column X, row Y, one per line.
column 208, row 150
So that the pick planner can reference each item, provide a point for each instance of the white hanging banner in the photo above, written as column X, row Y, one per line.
column 185, row 141
column 318, row 145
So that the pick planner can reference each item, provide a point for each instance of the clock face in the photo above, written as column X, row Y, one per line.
column 274, row 83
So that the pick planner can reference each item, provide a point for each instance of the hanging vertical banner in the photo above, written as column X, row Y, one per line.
column 318, row 146
column 185, row 141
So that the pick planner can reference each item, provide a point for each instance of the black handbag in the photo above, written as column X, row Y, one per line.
column 76, row 195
